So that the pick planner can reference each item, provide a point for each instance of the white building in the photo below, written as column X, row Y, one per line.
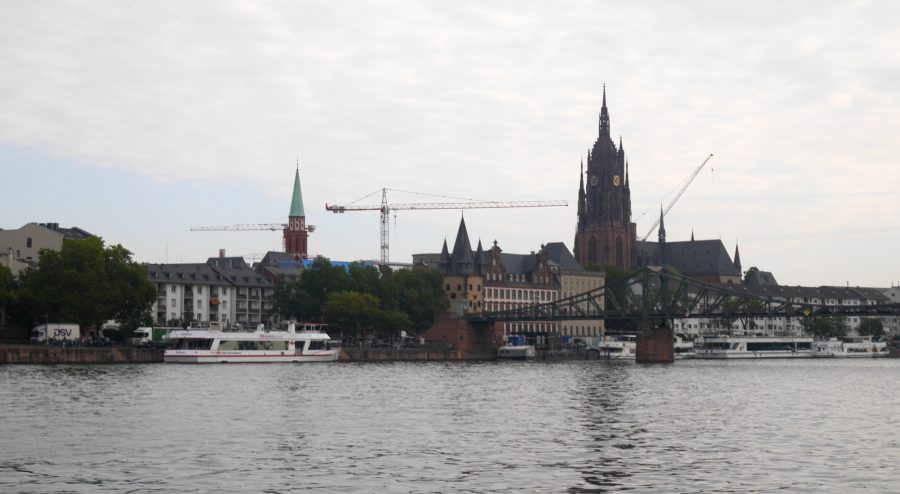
column 223, row 289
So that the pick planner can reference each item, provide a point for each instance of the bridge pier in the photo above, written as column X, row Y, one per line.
column 655, row 345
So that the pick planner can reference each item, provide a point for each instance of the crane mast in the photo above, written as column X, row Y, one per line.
column 677, row 196
column 385, row 208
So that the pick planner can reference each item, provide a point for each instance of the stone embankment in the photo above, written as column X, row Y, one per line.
column 43, row 354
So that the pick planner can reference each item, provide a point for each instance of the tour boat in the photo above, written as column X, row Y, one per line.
column 683, row 349
column 214, row 346
column 516, row 347
column 749, row 347
column 617, row 347
column 516, row 352
column 850, row 346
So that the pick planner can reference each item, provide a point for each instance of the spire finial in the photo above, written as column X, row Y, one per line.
column 604, row 116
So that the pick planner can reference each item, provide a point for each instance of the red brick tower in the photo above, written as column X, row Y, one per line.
column 295, row 235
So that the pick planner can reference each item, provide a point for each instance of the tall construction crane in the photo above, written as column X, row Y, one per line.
column 678, row 195
column 386, row 208
column 233, row 228
column 248, row 227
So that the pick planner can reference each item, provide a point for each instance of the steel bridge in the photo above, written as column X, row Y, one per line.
column 656, row 293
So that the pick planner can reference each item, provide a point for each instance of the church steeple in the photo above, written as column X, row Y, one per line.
column 737, row 257
column 662, row 237
column 662, row 226
column 297, row 197
column 604, row 117
column 295, row 234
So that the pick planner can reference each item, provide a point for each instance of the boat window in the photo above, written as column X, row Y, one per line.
column 252, row 345
column 192, row 344
column 770, row 346
column 316, row 345
column 714, row 345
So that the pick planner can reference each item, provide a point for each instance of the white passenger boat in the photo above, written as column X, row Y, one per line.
column 516, row 347
column 683, row 348
column 516, row 352
column 850, row 346
column 616, row 347
column 734, row 347
column 309, row 344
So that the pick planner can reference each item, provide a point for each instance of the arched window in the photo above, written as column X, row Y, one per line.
column 592, row 249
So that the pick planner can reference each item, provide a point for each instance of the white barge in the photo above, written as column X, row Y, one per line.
column 194, row 346
column 850, row 347
column 516, row 347
column 750, row 347
column 617, row 347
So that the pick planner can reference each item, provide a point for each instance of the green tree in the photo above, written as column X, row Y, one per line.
column 389, row 323
column 354, row 312
column 317, row 282
column 8, row 293
column 871, row 327
column 420, row 295
column 740, row 309
column 825, row 327
column 87, row 283
column 7, row 287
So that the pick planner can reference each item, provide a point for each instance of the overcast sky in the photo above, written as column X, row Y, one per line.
column 138, row 120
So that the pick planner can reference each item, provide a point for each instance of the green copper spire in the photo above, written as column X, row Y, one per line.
column 297, row 198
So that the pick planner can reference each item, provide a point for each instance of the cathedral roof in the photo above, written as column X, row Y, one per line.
column 558, row 253
column 693, row 257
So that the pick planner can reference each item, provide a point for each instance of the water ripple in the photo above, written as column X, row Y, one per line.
column 578, row 427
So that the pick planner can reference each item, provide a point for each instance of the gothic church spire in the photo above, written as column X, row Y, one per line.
column 604, row 116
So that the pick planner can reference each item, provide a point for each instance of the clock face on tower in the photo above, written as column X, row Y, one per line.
column 616, row 180
column 593, row 179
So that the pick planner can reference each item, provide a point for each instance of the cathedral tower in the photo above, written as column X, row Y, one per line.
column 605, row 234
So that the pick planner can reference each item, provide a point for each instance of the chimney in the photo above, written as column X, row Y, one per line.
column 221, row 252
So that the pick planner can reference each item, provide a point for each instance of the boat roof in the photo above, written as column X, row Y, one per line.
column 249, row 335
column 754, row 338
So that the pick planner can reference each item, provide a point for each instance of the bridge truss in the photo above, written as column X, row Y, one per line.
column 656, row 293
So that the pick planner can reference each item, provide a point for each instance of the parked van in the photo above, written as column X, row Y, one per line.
column 55, row 331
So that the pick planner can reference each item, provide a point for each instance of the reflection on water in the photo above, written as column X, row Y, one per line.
column 695, row 426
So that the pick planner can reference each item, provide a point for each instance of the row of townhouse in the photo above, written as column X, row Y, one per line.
column 223, row 289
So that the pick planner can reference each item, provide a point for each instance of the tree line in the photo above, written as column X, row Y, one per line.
column 85, row 282
column 363, row 301
column 89, row 283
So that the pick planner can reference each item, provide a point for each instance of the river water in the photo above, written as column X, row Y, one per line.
column 586, row 426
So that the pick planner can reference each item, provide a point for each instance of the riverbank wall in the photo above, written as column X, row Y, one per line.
column 45, row 354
